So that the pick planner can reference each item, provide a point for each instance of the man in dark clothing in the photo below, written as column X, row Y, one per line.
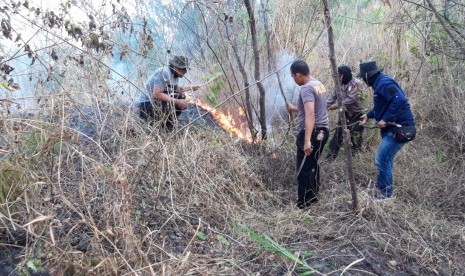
column 162, row 98
column 390, row 108
column 351, row 89
column 313, row 132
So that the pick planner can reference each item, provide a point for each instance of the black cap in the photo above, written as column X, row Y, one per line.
column 368, row 69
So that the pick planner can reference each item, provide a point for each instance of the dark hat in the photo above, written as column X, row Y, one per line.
column 368, row 69
column 180, row 62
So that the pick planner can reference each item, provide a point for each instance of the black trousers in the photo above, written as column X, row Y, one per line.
column 164, row 112
column 356, row 134
column 309, row 177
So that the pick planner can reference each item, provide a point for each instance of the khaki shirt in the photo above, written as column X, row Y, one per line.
column 351, row 94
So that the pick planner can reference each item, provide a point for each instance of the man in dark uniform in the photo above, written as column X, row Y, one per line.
column 351, row 89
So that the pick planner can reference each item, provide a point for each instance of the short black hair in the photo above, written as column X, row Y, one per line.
column 344, row 69
column 346, row 73
column 300, row 66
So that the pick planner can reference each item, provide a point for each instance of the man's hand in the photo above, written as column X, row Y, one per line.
column 308, row 147
column 182, row 104
column 195, row 87
column 332, row 107
column 381, row 124
column 290, row 107
column 363, row 119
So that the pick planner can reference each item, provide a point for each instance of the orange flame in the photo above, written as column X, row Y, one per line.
column 227, row 121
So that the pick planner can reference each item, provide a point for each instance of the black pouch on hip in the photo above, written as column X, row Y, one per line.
column 405, row 134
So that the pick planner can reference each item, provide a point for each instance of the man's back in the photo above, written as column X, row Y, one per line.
column 163, row 78
column 316, row 92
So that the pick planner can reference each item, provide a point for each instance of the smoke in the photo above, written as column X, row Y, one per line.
column 275, row 103
column 25, row 97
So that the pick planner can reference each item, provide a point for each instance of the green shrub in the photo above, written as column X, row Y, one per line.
column 11, row 179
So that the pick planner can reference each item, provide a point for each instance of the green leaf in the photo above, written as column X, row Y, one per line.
column 34, row 264
column 308, row 254
column 236, row 229
column 222, row 239
column 211, row 100
column 308, row 220
column 201, row 236
column 269, row 244
column 6, row 86
column 306, row 273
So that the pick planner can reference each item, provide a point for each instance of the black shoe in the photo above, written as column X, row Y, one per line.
column 303, row 205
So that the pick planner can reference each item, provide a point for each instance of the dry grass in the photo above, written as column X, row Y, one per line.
column 150, row 202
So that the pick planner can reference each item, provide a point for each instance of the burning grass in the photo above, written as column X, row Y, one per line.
column 232, row 121
column 197, row 203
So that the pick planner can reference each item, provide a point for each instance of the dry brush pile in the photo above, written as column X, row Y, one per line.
column 128, row 199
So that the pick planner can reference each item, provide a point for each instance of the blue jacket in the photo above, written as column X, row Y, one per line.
column 390, row 104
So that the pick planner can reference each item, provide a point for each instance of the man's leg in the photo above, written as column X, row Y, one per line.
column 146, row 112
column 318, row 146
column 308, row 178
column 304, row 188
column 303, row 178
column 385, row 155
column 169, row 115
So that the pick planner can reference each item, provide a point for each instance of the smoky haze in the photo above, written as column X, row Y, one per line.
column 276, row 108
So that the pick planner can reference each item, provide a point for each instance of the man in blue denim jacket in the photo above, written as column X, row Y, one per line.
column 390, row 109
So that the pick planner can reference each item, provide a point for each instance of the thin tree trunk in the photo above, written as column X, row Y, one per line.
column 261, row 89
column 342, row 114
column 266, row 26
column 230, row 33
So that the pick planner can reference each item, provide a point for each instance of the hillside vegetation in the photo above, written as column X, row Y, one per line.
column 87, row 188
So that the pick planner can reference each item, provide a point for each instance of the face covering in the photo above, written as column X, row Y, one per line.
column 370, row 81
